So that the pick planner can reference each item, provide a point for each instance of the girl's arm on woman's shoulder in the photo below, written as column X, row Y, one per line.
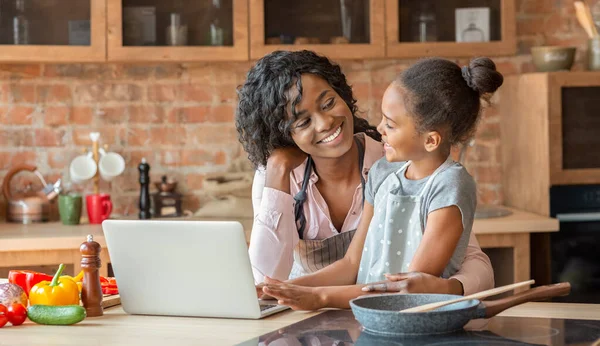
column 476, row 273
column 274, row 233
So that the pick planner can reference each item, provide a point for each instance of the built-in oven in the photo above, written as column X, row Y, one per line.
column 575, row 249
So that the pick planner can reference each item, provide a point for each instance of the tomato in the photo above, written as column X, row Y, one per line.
column 3, row 318
column 17, row 314
column 110, row 290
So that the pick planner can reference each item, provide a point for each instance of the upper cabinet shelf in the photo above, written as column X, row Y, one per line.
column 339, row 29
column 239, row 30
column 52, row 30
column 451, row 28
column 158, row 30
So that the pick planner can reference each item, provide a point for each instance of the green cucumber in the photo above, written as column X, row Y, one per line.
column 60, row 315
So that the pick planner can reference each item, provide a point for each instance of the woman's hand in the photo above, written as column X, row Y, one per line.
column 279, row 165
column 416, row 282
column 294, row 296
column 286, row 158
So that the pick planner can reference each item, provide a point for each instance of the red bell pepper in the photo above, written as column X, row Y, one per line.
column 33, row 278
column 27, row 278
column 18, row 277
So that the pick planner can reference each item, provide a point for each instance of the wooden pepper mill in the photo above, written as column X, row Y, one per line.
column 144, row 203
column 91, row 292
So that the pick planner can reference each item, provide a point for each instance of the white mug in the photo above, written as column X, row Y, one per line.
column 110, row 165
column 82, row 168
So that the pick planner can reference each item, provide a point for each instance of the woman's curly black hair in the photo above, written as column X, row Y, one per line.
column 261, row 118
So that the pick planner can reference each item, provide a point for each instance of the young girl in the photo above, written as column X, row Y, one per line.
column 419, row 204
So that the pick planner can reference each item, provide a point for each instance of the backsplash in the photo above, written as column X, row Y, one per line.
column 180, row 116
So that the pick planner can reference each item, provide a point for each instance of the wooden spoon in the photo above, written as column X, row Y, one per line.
column 479, row 295
column 588, row 14
column 585, row 18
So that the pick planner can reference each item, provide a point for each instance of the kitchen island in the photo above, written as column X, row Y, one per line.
column 118, row 328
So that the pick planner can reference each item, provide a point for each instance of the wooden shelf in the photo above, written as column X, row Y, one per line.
column 395, row 48
column 95, row 52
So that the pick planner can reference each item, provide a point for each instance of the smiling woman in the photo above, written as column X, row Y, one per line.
column 297, row 120
column 322, row 122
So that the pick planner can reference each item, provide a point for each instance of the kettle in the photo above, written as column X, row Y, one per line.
column 31, row 206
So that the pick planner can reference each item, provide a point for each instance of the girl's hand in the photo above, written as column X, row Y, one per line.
column 416, row 282
column 294, row 296
column 287, row 158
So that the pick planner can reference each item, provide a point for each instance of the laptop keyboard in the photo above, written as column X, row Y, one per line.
column 266, row 307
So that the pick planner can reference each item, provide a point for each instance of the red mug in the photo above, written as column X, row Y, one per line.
column 98, row 207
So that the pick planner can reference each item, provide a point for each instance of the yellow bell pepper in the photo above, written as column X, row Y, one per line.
column 78, row 279
column 61, row 291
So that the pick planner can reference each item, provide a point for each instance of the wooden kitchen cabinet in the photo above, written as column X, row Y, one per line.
column 155, row 30
column 549, row 129
column 418, row 28
column 52, row 30
column 239, row 30
column 339, row 29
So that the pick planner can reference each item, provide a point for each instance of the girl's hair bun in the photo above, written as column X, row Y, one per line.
column 481, row 75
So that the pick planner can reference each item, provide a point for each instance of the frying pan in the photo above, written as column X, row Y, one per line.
column 380, row 314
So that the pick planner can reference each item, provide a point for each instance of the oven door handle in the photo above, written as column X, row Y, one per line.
column 578, row 217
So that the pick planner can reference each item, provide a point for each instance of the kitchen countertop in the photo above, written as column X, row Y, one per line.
column 118, row 328
column 54, row 235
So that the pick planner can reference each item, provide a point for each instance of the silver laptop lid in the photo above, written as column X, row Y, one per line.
column 182, row 268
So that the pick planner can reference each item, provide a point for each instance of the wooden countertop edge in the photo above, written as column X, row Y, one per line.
column 32, row 237
column 571, row 311
column 533, row 309
column 518, row 222
column 574, row 311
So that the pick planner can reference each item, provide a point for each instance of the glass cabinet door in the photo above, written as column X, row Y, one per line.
column 75, row 29
column 337, row 28
column 450, row 27
column 178, row 30
column 177, row 23
column 580, row 127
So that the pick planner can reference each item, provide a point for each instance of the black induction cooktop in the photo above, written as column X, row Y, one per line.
column 339, row 328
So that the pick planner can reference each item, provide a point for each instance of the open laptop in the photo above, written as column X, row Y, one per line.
column 184, row 268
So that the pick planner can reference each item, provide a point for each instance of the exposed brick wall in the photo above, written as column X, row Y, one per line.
column 180, row 116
